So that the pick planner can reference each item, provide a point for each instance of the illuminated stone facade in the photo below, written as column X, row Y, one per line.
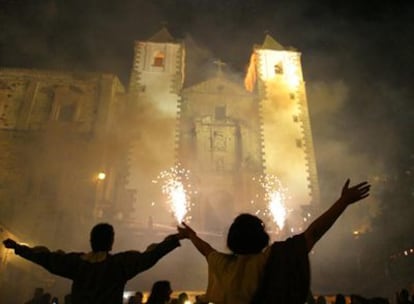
column 228, row 136
column 57, row 132
column 155, row 85
column 286, row 131
column 219, row 143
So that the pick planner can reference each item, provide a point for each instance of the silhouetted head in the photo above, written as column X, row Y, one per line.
column 160, row 292
column 139, row 296
column 182, row 297
column 247, row 235
column 404, row 295
column 340, row 299
column 320, row 300
column 102, row 237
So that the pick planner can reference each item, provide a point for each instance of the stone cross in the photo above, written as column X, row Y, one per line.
column 220, row 64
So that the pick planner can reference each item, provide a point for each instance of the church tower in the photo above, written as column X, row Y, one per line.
column 275, row 73
column 155, row 83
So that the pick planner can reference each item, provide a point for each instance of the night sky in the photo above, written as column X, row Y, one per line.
column 357, row 57
column 360, row 49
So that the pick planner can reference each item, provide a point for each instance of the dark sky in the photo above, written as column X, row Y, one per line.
column 357, row 56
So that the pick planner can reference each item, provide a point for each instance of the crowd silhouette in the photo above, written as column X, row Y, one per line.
column 255, row 272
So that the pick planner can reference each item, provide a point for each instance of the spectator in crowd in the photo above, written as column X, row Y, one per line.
column 340, row 299
column 182, row 299
column 160, row 293
column 403, row 296
column 136, row 298
column 54, row 300
column 37, row 296
column 46, row 298
column 310, row 298
column 98, row 277
column 320, row 299
column 358, row 299
column 67, row 299
column 379, row 300
column 256, row 273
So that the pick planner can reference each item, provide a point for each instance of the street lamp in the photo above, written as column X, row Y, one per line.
column 100, row 177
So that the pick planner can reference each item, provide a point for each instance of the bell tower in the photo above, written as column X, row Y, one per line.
column 156, row 80
column 158, row 71
column 275, row 73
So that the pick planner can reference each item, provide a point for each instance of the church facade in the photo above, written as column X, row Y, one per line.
column 247, row 147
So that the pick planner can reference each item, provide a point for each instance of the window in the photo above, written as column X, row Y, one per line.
column 278, row 68
column 67, row 112
column 159, row 59
column 219, row 141
column 66, row 104
column 220, row 113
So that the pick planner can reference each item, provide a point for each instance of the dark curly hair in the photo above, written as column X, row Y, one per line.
column 102, row 237
column 247, row 235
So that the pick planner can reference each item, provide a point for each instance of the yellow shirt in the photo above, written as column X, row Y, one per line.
column 233, row 279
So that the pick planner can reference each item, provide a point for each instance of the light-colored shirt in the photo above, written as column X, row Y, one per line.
column 234, row 278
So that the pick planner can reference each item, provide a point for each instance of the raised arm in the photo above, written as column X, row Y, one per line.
column 134, row 262
column 202, row 246
column 56, row 262
column 321, row 225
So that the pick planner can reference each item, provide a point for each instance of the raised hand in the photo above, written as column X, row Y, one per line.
column 321, row 224
column 350, row 195
column 10, row 244
column 185, row 231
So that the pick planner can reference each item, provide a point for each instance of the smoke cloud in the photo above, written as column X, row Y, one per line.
column 357, row 62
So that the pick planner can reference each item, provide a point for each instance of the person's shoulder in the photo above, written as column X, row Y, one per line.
column 215, row 255
column 293, row 239
column 125, row 254
column 72, row 254
column 218, row 253
column 63, row 254
column 293, row 244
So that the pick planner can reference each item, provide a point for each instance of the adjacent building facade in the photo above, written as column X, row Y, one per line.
column 61, row 170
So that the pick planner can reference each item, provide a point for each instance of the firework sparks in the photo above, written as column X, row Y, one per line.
column 277, row 209
column 275, row 195
column 175, row 184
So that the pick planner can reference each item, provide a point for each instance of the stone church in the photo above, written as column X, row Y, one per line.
column 228, row 134
column 79, row 148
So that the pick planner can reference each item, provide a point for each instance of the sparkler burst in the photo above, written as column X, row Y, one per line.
column 175, row 184
column 275, row 196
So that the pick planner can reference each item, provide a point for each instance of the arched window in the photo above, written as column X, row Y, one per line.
column 159, row 59
column 279, row 68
